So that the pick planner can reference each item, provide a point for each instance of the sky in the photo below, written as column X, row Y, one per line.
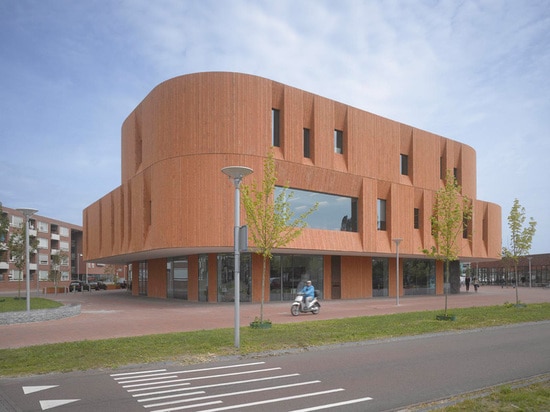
column 475, row 71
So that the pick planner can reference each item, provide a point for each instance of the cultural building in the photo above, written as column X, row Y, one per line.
column 172, row 218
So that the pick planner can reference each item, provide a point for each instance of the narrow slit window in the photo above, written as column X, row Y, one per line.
column 404, row 165
column 307, row 143
column 339, row 141
column 381, row 214
column 275, row 127
column 416, row 218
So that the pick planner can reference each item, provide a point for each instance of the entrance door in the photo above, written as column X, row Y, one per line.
column 336, row 284
column 180, row 278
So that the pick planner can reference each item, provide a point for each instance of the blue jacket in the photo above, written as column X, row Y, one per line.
column 308, row 291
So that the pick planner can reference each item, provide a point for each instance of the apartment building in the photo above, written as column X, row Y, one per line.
column 53, row 237
column 375, row 180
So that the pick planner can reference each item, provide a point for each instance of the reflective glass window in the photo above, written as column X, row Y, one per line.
column 380, row 277
column 226, row 278
column 419, row 277
column 289, row 274
column 334, row 212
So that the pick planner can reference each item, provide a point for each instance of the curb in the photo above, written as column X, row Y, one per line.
column 39, row 315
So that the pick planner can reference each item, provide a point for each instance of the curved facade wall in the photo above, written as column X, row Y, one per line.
column 174, row 200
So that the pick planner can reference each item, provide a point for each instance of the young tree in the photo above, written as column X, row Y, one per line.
column 451, row 214
column 57, row 261
column 521, row 238
column 4, row 225
column 16, row 248
column 110, row 271
column 270, row 218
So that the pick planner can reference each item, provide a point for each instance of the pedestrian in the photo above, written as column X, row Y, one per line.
column 467, row 282
column 476, row 284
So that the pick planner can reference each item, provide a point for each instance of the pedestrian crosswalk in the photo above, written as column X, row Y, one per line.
column 228, row 387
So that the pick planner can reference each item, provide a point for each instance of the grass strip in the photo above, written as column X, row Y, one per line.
column 14, row 304
column 197, row 346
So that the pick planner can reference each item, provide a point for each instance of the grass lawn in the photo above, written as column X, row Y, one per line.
column 199, row 346
column 14, row 304
column 534, row 397
column 194, row 347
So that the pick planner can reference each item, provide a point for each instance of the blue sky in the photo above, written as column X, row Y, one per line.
column 474, row 71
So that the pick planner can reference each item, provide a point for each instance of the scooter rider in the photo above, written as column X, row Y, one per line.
column 309, row 291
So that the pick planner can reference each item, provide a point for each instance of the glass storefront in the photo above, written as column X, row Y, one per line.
column 143, row 278
column 178, row 278
column 226, row 278
column 289, row 273
column 380, row 276
column 203, row 278
column 419, row 277
column 333, row 212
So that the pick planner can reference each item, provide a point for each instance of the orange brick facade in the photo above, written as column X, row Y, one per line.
column 174, row 200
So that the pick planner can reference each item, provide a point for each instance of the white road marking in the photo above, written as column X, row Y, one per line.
column 239, row 365
column 222, row 395
column 223, row 375
column 55, row 403
column 332, row 405
column 246, row 405
column 215, row 385
column 32, row 389
column 136, row 373
column 158, row 378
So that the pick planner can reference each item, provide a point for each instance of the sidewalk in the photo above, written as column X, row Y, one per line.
column 114, row 314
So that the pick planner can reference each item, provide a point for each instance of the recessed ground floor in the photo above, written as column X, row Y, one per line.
column 211, row 277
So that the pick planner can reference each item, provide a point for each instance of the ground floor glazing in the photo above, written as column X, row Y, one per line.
column 211, row 277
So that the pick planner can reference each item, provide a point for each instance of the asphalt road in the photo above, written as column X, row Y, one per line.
column 371, row 376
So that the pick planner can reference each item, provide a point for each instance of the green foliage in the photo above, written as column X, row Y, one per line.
column 10, row 304
column 16, row 248
column 57, row 260
column 521, row 238
column 451, row 213
column 534, row 397
column 270, row 219
column 4, row 224
column 195, row 347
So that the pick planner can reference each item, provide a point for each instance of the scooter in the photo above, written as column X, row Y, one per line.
column 299, row 306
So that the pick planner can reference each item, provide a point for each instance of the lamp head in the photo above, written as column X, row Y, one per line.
column 28, row 212
column 237, row 172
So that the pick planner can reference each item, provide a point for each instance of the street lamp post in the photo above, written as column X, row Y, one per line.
column 237, row 173
column 27, row 212
column 397, row 242
column 529, row 258
column 78, row 256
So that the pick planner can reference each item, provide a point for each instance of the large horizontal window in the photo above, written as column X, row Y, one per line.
column 334, row 212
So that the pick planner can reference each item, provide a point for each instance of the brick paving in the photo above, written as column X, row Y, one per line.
column 113, row 314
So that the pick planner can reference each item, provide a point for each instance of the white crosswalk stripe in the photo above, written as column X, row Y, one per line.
column 219, row 387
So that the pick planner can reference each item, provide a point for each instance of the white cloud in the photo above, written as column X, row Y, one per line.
column 473, row 71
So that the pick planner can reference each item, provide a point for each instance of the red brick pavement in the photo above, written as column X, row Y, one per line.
column 112, row 314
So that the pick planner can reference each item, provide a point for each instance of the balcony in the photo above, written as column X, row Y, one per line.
column 4, row 265
column 55, row 236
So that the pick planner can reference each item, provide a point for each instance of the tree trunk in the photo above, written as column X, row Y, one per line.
column 516, row 285
column 446, row 283
column 455, row 277
column 263, row 289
